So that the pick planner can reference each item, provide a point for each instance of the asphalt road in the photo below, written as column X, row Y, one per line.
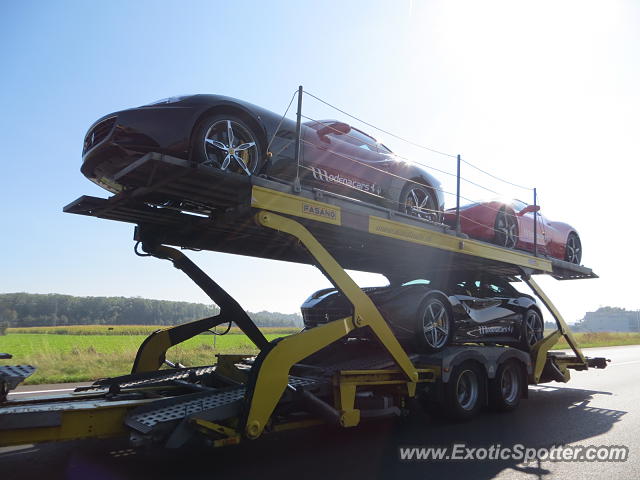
column 598, row 407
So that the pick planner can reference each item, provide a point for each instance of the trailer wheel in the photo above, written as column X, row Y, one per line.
column 505, row 390
column 464, row 393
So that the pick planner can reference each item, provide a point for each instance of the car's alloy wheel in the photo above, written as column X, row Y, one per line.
column 533, row 327
column 419, row 201
column 573, row 249
column 436, row 324
column 506, row 229
column 227, row 143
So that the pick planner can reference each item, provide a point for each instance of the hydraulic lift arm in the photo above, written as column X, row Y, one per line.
column 272, row 374
column 542, row 348
column 151, row 354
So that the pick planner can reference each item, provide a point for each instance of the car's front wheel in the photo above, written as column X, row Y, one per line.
column 434, row 324
column 573, row 249
column 227, row 142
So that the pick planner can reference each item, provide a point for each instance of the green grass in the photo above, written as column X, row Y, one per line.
column 74, row 358
column 129, row 330
column 601, row 339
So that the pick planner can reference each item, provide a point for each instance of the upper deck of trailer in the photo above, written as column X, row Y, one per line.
column 360, row 236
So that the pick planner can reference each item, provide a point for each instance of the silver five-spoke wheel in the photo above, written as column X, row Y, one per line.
column 533, row 327
column 573, row 249
column 436, row 324
column 227, row 143
column 419, row 201
column 506, row 229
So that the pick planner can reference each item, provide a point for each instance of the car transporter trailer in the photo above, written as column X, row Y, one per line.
column 317, row 376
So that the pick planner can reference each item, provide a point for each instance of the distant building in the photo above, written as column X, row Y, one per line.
column 609, row 319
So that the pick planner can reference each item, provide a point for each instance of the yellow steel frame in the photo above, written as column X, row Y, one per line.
column 273, row 374
column 73, row 424
column 301, row 207
column 541, row 349
column 346, row 382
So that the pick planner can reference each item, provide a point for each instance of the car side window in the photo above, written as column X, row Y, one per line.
column 470, row 288
column 496, row 287
column 358, row 139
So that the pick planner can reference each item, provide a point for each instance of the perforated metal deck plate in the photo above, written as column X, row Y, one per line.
column 14, row 374
column 129, row 381
column 146, row 418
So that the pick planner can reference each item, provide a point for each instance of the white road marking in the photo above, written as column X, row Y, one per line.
column 612, row 364
column 43, row 391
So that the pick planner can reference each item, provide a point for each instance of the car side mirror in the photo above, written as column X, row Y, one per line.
column 529, row 209
column 336, row 128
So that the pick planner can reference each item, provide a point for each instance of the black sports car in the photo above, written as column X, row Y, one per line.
column 239, row 137
column 450, row 308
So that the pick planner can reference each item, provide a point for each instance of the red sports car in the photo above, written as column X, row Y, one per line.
column 511, row 225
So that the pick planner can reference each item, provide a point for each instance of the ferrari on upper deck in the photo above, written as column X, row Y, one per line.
column 241, row 138
column 511, row 225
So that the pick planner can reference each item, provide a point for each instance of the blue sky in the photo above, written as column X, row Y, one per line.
column 542, row 93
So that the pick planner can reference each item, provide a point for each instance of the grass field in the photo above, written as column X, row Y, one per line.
column 130, row 330
column 80, row 357
column 73, row 354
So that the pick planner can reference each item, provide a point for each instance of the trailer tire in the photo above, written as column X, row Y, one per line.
column 465, row 392
column 505, row 390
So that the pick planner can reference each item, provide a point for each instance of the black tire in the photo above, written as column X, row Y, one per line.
column 419, row 201
column 532, row 329
column 434, row 324
column 573, row 249
column 506, row 229
column 245, row 145
column 464, row 394
column 505, row 390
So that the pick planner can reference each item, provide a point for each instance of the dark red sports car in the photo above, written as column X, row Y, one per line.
column 241, row 138
column 511, row 225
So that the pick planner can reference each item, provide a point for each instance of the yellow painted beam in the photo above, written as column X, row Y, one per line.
column 298, row 206
column 273, row 375
column 74, row 424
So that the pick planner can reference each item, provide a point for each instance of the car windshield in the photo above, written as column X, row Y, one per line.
column 518, row 205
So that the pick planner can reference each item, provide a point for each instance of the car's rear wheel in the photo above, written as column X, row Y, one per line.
column 434, row 324
column 532, row 328
column 506, row 229
column 573, row 249
column 419, row 201
column 228, row 143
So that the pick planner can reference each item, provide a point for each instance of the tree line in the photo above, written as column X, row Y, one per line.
column 40, row 310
